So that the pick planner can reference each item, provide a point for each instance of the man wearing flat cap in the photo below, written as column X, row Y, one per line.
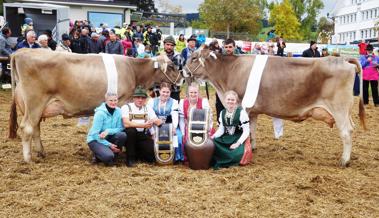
column 312, row 52
column 176, row 58
column 64, row 44
column 191, row 47
column 138, row 119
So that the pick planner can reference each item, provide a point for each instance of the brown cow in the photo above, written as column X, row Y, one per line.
column 57, row 83
column 291, row 88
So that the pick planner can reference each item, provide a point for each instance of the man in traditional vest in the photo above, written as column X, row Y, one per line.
column 138, row 119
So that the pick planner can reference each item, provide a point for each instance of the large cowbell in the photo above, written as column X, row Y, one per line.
column 198, row 126
column 163, row 144
column 199, row 147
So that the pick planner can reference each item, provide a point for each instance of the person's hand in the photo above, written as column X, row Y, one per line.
column 369, row 59
column 235, row 145
column 103, row 134
column 114, row 148
column 149, row 124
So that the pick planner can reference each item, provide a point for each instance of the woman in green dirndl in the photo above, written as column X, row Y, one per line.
column 232, row 133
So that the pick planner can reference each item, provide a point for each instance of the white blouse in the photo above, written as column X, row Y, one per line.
column 244, row 119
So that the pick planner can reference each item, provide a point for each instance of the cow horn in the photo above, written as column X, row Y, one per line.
column 164, row 67
column 213, row 55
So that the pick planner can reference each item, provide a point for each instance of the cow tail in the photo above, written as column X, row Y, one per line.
column 13, row 126
column 362, row 112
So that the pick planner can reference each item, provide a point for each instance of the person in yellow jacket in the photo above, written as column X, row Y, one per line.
column 180, row 43
column 146, row 36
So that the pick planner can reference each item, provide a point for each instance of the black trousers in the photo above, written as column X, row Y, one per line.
column 219, row 106
column 374, row 91
column 5, row 74
column 139, row 146
column 280, row 52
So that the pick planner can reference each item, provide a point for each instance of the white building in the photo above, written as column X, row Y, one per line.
column 112, row 12
column 355, row 20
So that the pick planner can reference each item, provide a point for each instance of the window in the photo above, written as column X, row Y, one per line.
column 112, row 19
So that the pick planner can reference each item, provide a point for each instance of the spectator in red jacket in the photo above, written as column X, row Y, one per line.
column 362, row 47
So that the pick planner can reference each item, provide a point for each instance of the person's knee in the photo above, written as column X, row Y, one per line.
column 121, row 138
column 131, row 132
column 107, row 158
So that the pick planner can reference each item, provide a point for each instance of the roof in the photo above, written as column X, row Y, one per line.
column 98, row 3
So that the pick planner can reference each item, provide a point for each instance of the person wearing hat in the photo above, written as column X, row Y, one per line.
column 64, row 44
column 312, row 52
column 169, row 50
column 370, row 66
column 187, row 52
column 94, row 43
column 27, row 26
column 138, row 119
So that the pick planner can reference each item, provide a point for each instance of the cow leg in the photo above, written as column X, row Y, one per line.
column 345, row 126
column 347, row 145
column 30, row 126
column 27, row 132
column 253, row 128
column 37, row 141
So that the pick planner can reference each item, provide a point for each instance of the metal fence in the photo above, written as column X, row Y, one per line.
column 186, row 31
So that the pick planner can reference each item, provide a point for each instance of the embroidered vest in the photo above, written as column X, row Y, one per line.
column 232, row 124
column 164, row 114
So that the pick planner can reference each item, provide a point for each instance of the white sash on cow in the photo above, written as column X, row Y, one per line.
column 110, row 67
column 254, row 81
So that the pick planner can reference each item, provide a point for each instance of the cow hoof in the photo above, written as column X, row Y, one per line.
column 344, row 164
column 41, row 154
column 29, row 161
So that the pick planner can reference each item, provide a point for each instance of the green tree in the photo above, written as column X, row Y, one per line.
column 232, row 15
column 144, row 5
column 325, row 30
column 306, row 12
column 199, row 24
column 285, row 22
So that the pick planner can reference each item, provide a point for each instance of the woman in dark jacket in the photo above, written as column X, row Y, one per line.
column 75, row 42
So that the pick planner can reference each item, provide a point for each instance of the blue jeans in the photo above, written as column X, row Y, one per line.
column 103, row 152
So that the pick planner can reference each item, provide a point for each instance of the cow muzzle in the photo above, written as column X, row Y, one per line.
column 185, row 74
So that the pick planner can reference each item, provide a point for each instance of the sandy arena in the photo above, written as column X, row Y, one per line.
column 296, row 176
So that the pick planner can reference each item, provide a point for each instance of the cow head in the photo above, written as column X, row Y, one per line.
column 197, row 64
column 170, row 71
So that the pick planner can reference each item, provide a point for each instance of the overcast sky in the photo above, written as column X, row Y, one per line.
column 191, row 6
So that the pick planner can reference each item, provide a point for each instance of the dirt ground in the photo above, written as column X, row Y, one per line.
column 296, row 176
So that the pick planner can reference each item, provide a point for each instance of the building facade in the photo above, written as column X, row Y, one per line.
column 355, row 20
column 112, row 12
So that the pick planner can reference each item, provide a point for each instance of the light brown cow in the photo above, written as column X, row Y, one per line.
column 291, row 88
column 56, row 83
